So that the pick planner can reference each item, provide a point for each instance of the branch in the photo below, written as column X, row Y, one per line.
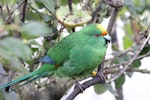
column 137, row 58
column 114, row 3
column 23, row 13
column 22, row 2
column 130, row 69
column 70, row 6
column 134, row 57
column 86, row 84
column 112, row 20
column 96, row 80
column 2, row 14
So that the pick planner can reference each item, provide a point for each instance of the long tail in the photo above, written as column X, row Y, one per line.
column 44, row 70
column 7, row 85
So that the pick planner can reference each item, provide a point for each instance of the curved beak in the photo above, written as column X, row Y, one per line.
column 107, row 38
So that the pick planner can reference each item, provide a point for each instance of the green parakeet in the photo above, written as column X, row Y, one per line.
column 74, row 56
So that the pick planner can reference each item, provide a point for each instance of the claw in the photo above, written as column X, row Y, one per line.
column 80, row 86
column 100, row 75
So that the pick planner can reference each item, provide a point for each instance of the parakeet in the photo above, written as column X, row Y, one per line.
column 76, row 55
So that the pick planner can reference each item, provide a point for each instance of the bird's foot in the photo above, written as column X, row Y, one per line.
column 78, row 85
column 100, row 75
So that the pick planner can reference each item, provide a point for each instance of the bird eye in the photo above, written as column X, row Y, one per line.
column 97, row 35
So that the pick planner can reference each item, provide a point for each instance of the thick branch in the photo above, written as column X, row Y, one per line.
column 86, row 85
column 114, row 3
column 97, row 80
column 112, row 20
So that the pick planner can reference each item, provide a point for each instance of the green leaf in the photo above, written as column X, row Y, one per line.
column 127, row 42
column 145, row 21
column 115, row 48
column 122, row 58
column 130, row 5
column 136, row 64
column 49, row 4
column 33, row 15
column 120, row 81
column 128, row 29
column 35, row 29
column 110, row 88
column 145, row 50
column 15, row 47
column 11, row 62
column 100, row 88
column 65, row 2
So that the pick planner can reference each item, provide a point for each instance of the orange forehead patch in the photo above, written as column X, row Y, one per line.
column 102, row 29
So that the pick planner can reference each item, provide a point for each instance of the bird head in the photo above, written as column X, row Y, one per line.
column 97, row 31
column 103, row 32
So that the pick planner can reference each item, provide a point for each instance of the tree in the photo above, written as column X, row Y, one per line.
column 24, row 23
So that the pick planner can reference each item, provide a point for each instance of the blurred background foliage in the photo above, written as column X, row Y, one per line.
column 28, row 28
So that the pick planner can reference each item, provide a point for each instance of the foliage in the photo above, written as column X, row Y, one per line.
column 28, row 30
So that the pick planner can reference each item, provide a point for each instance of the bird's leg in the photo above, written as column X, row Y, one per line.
column 80, row 86
column 100, row 75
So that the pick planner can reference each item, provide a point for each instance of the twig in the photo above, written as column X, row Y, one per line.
column 23, row 13
column 70, row 6
column 1, row 10
column 11, row 74
column 17, row 7
column 130, row 69
column 94, row 13
column 137, row 58
column 134, row 57
column 9, row 15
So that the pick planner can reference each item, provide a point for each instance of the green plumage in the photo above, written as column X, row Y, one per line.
column 75, row 55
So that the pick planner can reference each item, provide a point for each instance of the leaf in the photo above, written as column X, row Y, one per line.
column 16, row 48
column 145, row 21
column 35, row 29
column 49, row 4
column 122, row 58
column 100, row 88
column 46, row 17
column 136, row 64
column 127, row 42
column 130, row 5
column 110, row 88
column 115, row 48
column 140, row 6
column 8, row 60
column 120, row 81
column 145, row 50
column 65, row 2
column 33, row 15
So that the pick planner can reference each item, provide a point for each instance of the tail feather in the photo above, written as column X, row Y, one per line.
column 44, row 70
column 31, row 79
column 18, row 80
